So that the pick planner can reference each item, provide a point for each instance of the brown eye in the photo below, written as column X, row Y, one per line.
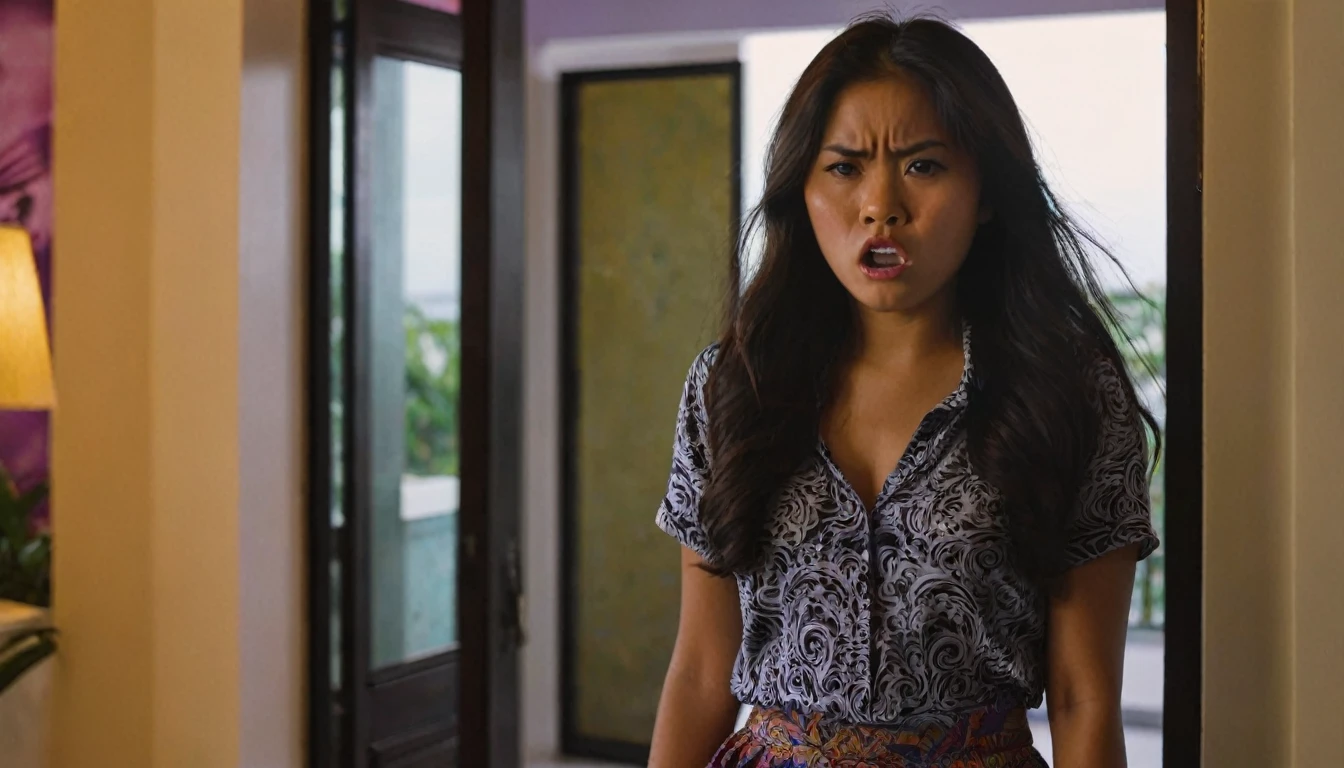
column 925, row 168
column 842, row 169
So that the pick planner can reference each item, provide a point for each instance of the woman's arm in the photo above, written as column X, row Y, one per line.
column 697, row 711
column 1086, row 660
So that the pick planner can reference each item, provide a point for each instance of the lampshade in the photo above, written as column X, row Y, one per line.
column 25, row 358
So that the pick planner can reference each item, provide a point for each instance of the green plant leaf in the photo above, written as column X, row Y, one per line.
column 14, row 528
column 35, row 556
column 13, row 523
column 29, row 501
column 15, row 509
column 433, row 386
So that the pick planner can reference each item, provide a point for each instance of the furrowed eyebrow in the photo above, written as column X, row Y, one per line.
column 913, row 149
column 844, row 151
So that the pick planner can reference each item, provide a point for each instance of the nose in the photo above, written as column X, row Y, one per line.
column 882, row 203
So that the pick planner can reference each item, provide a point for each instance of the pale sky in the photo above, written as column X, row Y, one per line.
column 432, row 188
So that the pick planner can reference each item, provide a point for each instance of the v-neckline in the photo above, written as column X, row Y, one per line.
column 951, row 402
column 898, row 471
column 947, row 404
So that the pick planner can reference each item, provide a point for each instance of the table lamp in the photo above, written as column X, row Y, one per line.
column 25, row 384
column 25, row 357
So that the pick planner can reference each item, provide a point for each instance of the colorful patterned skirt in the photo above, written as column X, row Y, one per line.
column 984, row 738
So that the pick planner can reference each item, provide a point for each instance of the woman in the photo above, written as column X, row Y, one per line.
column 923, row 304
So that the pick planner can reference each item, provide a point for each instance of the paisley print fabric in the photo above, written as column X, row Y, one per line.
column 988, row 737
column 913, row 614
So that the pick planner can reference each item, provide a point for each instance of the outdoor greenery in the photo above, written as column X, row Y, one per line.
column 336, row 363
column 433, row 385
column 1144, row 321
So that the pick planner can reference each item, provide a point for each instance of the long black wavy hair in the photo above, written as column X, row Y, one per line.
column 1041, row 320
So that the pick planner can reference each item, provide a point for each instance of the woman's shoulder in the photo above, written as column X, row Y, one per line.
column 1101, row 376
column 1115, row 400
column 702, row 363
column 693, row 393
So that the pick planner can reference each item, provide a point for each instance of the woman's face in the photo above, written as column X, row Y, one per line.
column 893, row 203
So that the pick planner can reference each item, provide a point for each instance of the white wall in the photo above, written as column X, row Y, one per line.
column 272, row 289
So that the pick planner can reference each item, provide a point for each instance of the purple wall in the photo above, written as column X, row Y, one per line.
column 26, row 51
column 550, row 19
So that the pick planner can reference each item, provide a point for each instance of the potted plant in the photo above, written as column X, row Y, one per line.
column 27, row 638
column 25, row 577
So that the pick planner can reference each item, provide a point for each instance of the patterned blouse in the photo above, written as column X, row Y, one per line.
column 912, row 614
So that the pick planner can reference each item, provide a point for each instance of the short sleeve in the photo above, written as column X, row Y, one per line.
column 1114, row 509
column 679, row 512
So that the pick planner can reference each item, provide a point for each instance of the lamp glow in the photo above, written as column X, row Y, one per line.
column 25, row 357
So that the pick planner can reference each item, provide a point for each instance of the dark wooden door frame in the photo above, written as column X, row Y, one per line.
column 411, row 708
column 491, row 579
column 480, row 675
column 324, row 711
column 1183, row 676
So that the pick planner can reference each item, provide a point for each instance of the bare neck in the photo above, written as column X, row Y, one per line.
column 900, row 341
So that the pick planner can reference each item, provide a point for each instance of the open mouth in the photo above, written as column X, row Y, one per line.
column 883, row 259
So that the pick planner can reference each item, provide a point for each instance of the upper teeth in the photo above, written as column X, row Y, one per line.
column 884, row 250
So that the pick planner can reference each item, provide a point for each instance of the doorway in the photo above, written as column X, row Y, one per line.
column 1157, row 229
column 414, row 577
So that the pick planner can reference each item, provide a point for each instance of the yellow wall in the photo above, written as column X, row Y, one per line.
column 101, row 458
column 1318, row 384
column 1247, row 398
column 177, row 444
column 1274, row 336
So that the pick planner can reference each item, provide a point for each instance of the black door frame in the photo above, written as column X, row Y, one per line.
column 1183, row 704
column 490, row 586
column 351, row 727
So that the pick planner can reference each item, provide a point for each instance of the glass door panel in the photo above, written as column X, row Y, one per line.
column 415, row 315
column 413, row 672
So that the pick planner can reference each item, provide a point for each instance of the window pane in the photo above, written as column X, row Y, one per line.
column 415, row 314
